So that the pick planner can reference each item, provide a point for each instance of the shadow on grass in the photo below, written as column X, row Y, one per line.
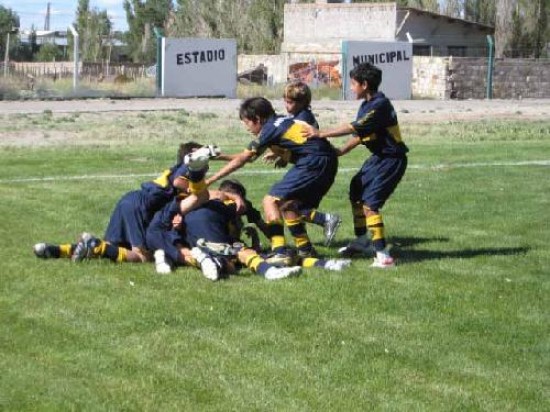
column 400, row 250
column 407, row 256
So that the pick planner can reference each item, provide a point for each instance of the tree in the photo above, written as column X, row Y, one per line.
column 256, row 24
column 94, row 28
column 9, row 23
column 48, row 52
column 142, row 17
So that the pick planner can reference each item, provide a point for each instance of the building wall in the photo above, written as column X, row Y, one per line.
column 441, row 77
column 441, row 33
column 320, row 28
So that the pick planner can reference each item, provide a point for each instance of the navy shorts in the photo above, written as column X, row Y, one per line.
column 308, row 181
column 377, row 180
column 161, row 236
column 129, row 221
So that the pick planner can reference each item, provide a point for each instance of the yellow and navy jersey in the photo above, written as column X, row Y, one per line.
column 307, row 116
column 283, row 133
column 215, row 221
column 160, row 191
column 377, row 127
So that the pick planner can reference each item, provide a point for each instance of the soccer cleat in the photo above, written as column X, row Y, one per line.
column 281, row 259
column 223, row 249
column 85, row 247
column 354, row 248
column 275, row 273
column 383, row 261
column 43, row 251
column 210, row 266
column 337, row 264
column 198, row 160
column 330, row 227
column 161, row 265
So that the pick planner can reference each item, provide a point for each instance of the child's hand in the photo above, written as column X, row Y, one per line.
column 309, row 132
column 177, row 221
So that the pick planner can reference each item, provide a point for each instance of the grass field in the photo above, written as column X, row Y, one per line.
column 462, row 323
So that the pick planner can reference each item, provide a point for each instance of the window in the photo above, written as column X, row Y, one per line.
column 421, row 50
column 457, row 51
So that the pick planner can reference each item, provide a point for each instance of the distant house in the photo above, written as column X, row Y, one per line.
column 60, row 39
column 57, row 37
column 320, row 28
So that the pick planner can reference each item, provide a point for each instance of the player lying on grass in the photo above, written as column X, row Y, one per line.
column 376, row 128
column 213, row 233
column 125, row 236
column 297, row 99
column 303, row 186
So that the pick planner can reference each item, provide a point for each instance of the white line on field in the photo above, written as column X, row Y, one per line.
column 253, row 172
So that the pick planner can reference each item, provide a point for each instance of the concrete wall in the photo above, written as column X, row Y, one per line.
column 321, row 27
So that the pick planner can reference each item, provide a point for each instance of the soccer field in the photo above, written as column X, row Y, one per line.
column 462, row 322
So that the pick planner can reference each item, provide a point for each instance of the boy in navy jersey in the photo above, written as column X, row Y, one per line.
column 302, row 187
column 376, row 128
column 297, row 99
column 124, row 239
column 218, row 221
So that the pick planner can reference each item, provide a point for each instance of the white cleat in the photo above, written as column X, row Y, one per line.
column 276, row 273
column 198, row 159
column 383, row 261
column 39, row 250
column 210, row 266
column 337, row 264
column 161, row 265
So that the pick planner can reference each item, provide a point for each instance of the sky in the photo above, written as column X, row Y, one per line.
column 62, row 12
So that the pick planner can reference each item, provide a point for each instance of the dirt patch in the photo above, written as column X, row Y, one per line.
column 408, row 111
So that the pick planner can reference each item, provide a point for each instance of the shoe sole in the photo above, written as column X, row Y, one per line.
column 329, row 239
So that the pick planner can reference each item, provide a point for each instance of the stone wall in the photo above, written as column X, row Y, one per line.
column 430, row 78
column 512, row 78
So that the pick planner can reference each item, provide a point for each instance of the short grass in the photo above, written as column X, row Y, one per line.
column 461, row 324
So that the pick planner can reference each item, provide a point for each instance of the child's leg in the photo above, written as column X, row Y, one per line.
column 275, row 224
column 90, row 246
column 328, row 264
column 375, row 225
column 329, row 221
column 253, row 261
column 49, row 251
column 297, row 228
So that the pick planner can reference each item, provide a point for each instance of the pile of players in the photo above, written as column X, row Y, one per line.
column 177, row 219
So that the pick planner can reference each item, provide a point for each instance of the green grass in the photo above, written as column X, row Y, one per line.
column 461, row 324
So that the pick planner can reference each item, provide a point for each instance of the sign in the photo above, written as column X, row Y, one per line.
column 393, row 58
column 193, row 67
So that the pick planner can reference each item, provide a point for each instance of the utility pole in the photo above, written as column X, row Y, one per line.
column 47, row 20
column 7, row 52
column 7, row 55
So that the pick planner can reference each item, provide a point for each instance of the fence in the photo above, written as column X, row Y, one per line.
column 433, row 77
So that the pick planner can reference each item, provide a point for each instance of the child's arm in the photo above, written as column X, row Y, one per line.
column 342, row 130
column 237, row 162
column 351, row 144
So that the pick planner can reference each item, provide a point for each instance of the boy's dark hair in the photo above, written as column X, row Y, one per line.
column 233, row 186
column 256, row 107
column 186, row 148
column 366, row 72
column 299, row 92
